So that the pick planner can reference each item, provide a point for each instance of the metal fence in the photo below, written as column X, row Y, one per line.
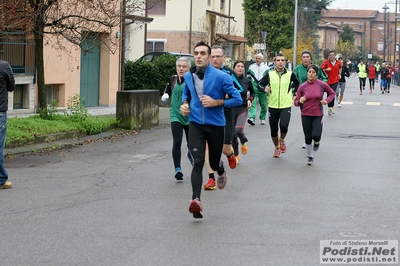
column 19, row 52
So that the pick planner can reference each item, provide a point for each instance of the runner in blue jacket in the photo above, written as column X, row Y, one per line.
column 203, row 99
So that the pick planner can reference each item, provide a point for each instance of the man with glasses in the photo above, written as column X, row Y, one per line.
column 278, row 84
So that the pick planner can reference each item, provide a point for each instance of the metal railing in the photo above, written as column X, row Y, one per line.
column 19, row 52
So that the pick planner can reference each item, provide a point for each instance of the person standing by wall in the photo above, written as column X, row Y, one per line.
column 278, row 83
column 203, row 100
column 333, row 69
column 310, row 98
column 7, row 83
column 255, row 72
column 179, row 123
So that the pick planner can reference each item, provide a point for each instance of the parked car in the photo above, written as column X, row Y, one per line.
column 153, row 55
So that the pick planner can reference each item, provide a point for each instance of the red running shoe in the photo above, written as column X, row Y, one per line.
column 210, row 184
column 196, row 208
column 232, row 160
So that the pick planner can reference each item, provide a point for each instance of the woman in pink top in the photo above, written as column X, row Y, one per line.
column 310, row 98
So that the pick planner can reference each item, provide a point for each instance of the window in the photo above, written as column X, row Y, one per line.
column 329, row 38
column 222, row 4
column 380, row 46
column 155, row 46
column 156, row 7
column 52, row 92
column 209, row 2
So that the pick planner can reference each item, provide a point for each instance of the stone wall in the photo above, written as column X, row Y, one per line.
column 137, row 108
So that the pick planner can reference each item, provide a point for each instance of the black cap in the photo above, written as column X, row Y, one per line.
column 307, row 52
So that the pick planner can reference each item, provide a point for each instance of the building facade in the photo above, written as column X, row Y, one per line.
column 375, row 31
column 179, row 24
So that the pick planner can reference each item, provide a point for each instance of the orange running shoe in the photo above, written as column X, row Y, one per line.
column 244, row 148
column 237, row 159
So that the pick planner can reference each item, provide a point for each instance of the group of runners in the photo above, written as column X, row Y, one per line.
column 212, row 103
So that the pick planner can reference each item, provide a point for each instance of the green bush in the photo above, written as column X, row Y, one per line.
column 143, row 75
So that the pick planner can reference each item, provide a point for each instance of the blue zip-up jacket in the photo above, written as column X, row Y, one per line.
column 216, row 85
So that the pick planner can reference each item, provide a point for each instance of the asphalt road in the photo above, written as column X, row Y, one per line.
column 115, row 201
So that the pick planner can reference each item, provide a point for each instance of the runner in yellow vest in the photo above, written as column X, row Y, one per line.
column 362, row 75
column 378, row 70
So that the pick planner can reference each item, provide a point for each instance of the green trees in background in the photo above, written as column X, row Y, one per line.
column 144, row 75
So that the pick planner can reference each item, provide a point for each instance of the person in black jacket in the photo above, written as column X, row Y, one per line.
column 342, row 82
column 7, row 83
column 240, row 113
column 384, row 74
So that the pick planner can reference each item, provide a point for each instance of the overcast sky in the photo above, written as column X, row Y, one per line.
column 365, row 4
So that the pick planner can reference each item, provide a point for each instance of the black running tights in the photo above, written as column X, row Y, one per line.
column 312, row 128
column 177, row 134
column 198, row 136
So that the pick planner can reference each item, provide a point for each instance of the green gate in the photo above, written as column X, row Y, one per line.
column 90, row 73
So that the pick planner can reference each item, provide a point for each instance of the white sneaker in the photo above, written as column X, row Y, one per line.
column 262, row 122
column 338, row 105
column 329, row 111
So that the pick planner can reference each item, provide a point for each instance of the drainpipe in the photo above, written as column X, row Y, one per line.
column 122, row 50
column 190, row 27
column 229, row 20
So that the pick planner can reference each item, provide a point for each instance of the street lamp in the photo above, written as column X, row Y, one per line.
column 295, row 35
column 370, row 32
column 264, row 37
column 395, row 36
column 363, row 48
column 385, row 8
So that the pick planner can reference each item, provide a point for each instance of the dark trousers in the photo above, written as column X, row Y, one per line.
column 334, row 87
column 240, row 118
column 279, row 119
column 199, row 135
column 312, row 128
column 177, row 135
column 362, row 83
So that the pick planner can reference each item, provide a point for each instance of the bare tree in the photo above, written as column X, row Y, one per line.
column 59, row 22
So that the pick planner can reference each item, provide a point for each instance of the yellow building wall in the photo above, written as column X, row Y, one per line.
column 62, row 69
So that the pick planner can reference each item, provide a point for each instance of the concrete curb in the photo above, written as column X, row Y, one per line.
column 62, row 140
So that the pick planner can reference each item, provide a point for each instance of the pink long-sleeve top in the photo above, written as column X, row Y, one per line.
column 314, row 93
